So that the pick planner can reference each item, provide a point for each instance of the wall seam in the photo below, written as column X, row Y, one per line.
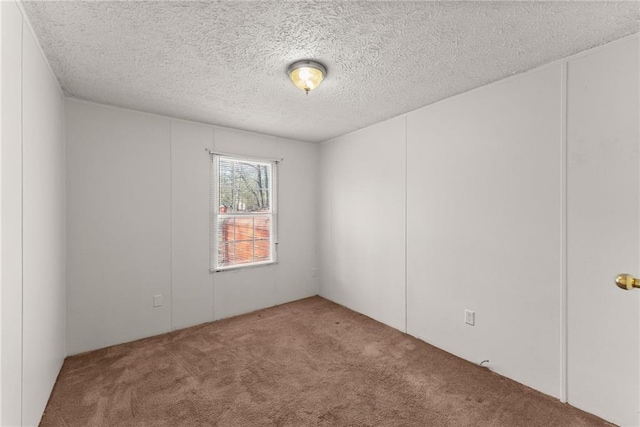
column 276, row 270
column 564, row 234
column 64, row 207
column 638, row 266
column 330, row 287
column 210, row 216
column 22, row 222
column 171, row 325
column 1, row 204
column 406, row 226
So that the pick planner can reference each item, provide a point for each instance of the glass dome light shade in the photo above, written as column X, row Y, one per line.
column 307, row 75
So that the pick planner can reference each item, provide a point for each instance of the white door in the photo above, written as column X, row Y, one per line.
column 603, row 223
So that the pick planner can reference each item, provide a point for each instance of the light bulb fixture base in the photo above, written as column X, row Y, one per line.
column 306, row 74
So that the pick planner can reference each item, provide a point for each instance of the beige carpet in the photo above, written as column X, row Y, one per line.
column 307, row 363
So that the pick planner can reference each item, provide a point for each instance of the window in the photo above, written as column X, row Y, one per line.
column 243, row 212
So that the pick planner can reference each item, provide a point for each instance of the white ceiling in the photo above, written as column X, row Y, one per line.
column 224, row 62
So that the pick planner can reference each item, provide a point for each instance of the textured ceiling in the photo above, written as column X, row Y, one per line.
column 224, row 62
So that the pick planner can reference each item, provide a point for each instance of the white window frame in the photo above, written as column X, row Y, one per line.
column 215, row 211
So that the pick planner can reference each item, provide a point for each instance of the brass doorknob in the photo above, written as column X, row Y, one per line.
column 627, row 282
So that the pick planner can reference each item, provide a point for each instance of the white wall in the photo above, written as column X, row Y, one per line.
column 192, row 289
column 118, row 222
column 11, row 45
column 486, row 227
column 138, row 225
column 33, row 235
column 243, row 290
column 364, row 189
column 483, row 225
column 1, row 117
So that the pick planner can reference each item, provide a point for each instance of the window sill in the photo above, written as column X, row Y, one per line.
column 236, row 268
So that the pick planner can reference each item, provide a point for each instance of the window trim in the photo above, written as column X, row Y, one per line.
column 215, row 213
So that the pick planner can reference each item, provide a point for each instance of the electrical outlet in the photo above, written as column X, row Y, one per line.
column 470, row 317
column 314, row 272
column 157, row 300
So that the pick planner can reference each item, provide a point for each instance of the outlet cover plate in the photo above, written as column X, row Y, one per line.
column 470, row 317
column 157, row 300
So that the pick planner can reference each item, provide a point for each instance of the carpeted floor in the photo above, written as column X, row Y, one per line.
column 307, row 363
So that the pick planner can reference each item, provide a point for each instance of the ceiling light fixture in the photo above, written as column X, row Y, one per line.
column 307, row 75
